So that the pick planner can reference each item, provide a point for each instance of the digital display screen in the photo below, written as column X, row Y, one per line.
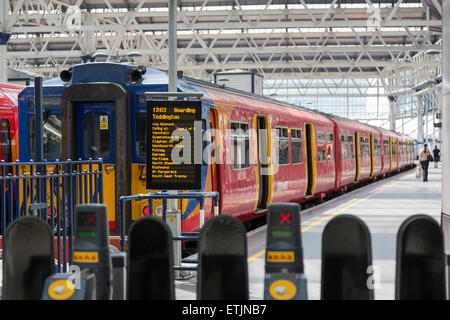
column 173, row 161
column 87, row 220
column 281, row 225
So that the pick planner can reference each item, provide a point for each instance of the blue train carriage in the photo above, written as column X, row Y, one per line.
column 98, row 110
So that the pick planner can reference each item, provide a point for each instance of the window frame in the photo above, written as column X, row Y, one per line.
column 297, row 139
column 8, row 134
column 32, row 134
column 352, row 144
column 244, row 136
column 328, row 135
column 277, row 141
column 110, row 134
column 321, row 145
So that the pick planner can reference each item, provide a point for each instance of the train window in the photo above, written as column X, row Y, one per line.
column 296, row 145
column 321, row 147
column 330, row 143
column 343, row 148
column 394, row 148
column 364, row 145
column 52, row 137
column 351, row 147
column 240, row 145
column 141, row 135
column 96, row 140
column 361, row 147
column 5, row 136
column 386, row 148
column 283, row 145
column 377, row 147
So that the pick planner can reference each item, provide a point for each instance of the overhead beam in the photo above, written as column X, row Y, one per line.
column 234, row 25
column 235, row 50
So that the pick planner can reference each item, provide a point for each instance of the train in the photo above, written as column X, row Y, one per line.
column 9, row 121
column 279, row 152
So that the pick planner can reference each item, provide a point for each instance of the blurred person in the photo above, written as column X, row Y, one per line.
column 436, row 155
column 424, row 159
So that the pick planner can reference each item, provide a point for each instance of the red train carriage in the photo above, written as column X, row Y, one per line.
column 9, row 121
column 271, row 152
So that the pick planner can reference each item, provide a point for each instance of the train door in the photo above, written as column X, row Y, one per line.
column 95, row 131
column 262, row 133
column 372, row 159
column 310, row 160
column 214, row 154
column 357, row 155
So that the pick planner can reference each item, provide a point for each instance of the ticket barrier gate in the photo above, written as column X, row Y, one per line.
column 284, row 269
column 92, row 276
column 420, row 267
column 28, row 258
column 222, row 260
column 91, row 246
column 150, row 274
column 119, row 264
column 346, row 258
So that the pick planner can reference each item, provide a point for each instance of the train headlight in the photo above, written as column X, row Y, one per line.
column 66, row 75
column 136, row 74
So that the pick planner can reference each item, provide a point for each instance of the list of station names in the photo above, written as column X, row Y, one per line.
column 163, row 119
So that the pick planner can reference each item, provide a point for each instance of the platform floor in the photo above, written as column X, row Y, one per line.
column 382, row 205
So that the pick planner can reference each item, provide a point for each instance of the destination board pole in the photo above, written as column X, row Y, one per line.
column 172, row 204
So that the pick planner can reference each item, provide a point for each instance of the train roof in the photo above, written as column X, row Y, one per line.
column 105, row 71
column 8, row 94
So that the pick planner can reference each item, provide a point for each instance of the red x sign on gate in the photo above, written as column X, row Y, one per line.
column 285, row 218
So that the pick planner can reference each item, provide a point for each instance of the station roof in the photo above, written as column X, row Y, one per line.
column 279, row 38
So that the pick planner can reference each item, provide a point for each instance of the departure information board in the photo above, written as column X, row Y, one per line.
column 174, row 145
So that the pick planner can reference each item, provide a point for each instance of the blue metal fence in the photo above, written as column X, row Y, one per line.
column 164, row 196
column 50, row 190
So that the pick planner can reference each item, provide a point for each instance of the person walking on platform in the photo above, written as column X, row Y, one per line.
column 437, row 156
column 424, row 158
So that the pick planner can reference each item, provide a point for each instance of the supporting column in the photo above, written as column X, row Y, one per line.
column 434, row 106
column 445, row 216
column 392, row 118
column 89, row 37
column 427, row 106
column 173, row 45
column 3, row 64
column 420, row 104
column 440, row 112
column 4, row 37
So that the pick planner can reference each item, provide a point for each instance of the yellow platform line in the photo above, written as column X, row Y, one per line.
column 335, row 213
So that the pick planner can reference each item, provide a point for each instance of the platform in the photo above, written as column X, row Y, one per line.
column 382, row 205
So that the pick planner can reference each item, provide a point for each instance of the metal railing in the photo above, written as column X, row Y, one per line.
column 50, row 190
column 164, row 196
